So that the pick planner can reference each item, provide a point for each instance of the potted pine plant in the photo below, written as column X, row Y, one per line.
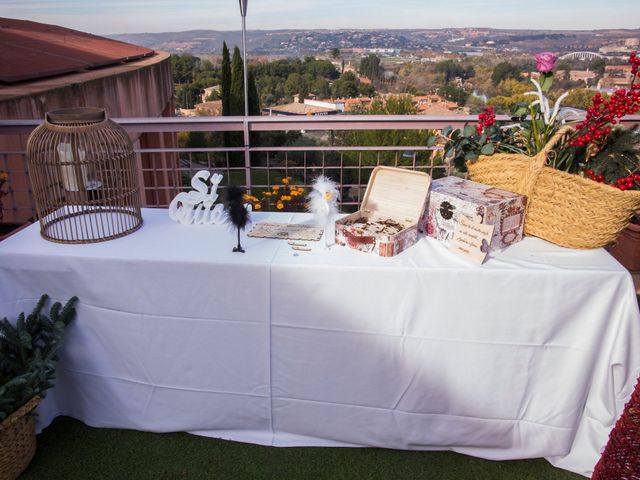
column 28, row 356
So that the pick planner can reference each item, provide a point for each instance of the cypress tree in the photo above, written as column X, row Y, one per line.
column 370, row 66
column 254, row 105
column 254, row 98
column 237, row 84
column 225, row 83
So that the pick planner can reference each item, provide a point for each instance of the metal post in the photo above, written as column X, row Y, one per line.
column 247, row 156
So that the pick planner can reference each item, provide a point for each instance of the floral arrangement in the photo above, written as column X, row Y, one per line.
column 597, row 148
column 282, row 197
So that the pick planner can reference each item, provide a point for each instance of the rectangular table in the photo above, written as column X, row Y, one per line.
column 532, row 354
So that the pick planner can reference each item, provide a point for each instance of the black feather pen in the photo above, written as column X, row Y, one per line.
column 237, row 214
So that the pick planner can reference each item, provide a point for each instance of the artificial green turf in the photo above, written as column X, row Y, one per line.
column 69, row 450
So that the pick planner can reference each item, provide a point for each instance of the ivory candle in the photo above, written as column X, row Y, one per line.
column 69, row 171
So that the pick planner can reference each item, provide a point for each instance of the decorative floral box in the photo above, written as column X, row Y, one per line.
column 387, row 222
column 453, row 196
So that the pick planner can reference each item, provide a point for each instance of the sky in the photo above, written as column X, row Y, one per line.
column 137, row 16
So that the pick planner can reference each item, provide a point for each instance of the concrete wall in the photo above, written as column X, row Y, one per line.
column 138, row 89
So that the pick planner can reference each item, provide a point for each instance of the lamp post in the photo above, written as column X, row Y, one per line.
column 243, row 13
column 247, row 157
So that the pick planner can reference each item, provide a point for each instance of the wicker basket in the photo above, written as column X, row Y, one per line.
column 565, row 209
column 17, row 441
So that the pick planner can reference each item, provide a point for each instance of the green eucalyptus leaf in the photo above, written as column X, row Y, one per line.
column 470, row 156
column 488, row 149
column 469, row 130
column 446, row 131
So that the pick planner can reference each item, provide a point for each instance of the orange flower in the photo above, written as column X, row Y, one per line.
column 306, row 205
column 257, row 206
column 285, row 180
column 275, row 188
column 268, row 194
column 279, row 205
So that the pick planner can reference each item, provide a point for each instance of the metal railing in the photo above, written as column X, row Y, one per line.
column 349, row 165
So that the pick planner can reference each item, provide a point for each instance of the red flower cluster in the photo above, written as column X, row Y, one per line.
column 634, row 60
column 595, row 127
column 627, row 183
column 486, row 118
column 594, row 177
column 624, row 183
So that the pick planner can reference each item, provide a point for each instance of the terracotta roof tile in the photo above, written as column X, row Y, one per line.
column 299, row 109
column 30, row 50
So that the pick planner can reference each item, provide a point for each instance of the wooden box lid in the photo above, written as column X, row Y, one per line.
column 396, row 193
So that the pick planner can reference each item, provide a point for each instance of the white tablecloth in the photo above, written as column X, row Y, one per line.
column 532, row 354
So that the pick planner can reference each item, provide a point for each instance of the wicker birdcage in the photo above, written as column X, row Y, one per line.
column 83, row 176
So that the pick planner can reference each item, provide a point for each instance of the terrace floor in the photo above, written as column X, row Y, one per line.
column 70, row 450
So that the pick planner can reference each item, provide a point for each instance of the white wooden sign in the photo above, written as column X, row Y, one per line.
column 197, row 206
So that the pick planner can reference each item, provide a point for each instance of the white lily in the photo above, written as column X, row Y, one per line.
column 513, row 125
column 535, row 102
column 566, row 112
column 542, row 101
column 556, row 107
column 547, row 116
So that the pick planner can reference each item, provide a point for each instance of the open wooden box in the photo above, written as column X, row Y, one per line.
column 387, row 222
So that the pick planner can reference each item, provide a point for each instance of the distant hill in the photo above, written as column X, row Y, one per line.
column 202, row 41
column 303, row 42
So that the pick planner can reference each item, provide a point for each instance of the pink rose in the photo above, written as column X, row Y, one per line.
column 545, row 62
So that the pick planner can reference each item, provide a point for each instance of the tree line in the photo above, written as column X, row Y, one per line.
column 270, row 83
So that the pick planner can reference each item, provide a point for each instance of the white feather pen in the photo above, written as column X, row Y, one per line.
column 323, row 203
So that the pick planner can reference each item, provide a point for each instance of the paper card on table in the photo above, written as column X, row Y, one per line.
column 471, row 239
column 286, row 231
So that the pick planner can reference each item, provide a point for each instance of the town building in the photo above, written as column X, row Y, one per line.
column 307, row 107
column 437, row 105
column 207, row 92
column 212, row 108
column 617, row 76
column 582, row 76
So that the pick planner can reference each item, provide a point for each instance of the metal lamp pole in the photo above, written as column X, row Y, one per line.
column 247, row 157
column 243, row 13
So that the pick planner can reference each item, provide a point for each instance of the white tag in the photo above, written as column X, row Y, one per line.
column 471, row 239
